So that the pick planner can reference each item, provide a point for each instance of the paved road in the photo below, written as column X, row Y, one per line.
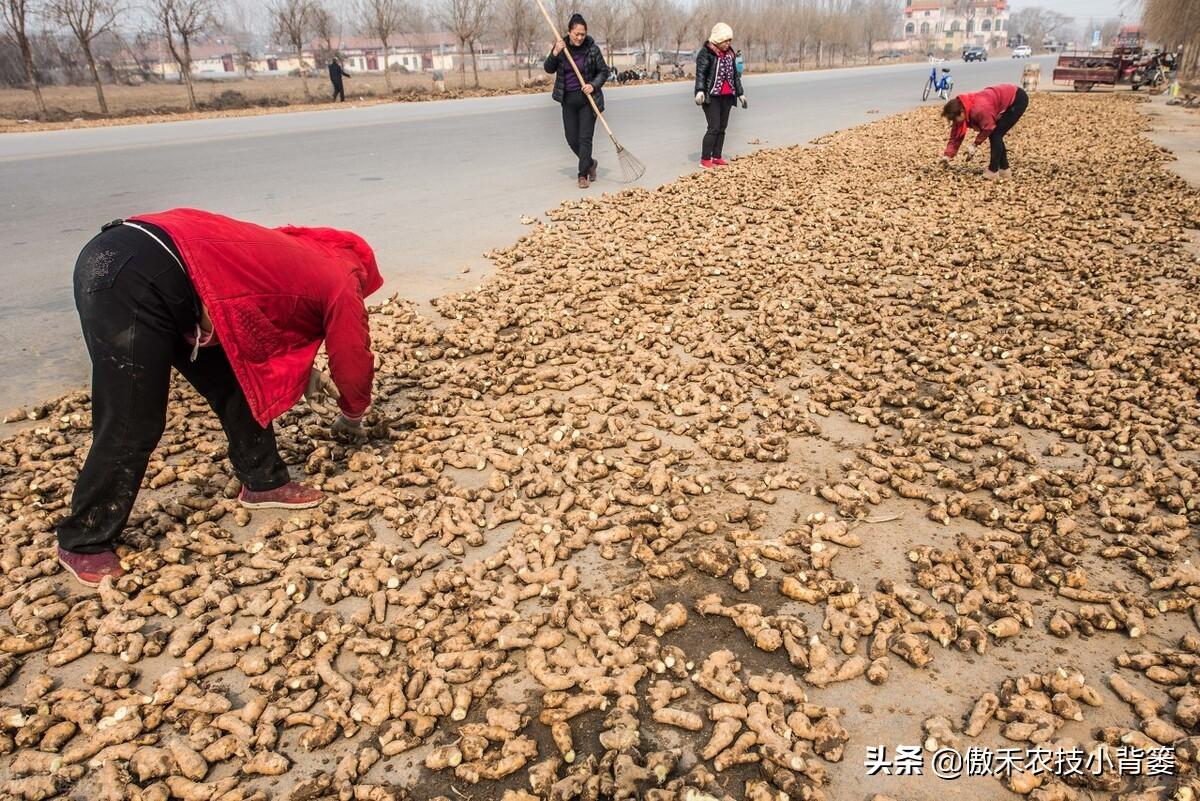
column 430, row 185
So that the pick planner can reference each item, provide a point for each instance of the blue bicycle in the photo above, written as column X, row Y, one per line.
column 941, row 86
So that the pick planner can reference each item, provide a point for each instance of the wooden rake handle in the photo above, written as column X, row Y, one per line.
column 575, row 67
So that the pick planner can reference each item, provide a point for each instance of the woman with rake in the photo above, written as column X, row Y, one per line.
column 579, row 119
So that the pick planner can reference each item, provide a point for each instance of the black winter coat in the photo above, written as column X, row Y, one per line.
column 594, row 70
column 336, row 72
column 706, row 73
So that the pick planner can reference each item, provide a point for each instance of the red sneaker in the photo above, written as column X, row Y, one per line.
column 89, row 569
column 720, row 162
column 290, row 496
column 707, row 164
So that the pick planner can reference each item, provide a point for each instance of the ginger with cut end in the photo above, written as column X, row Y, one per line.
column 679, row 718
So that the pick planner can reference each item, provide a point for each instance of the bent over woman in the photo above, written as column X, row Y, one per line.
column 992, row 112
column 238, row 310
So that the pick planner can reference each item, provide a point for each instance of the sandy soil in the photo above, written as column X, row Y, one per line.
column 1178, row 130
column 764, row 339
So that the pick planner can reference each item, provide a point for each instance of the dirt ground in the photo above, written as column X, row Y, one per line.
column 837, row 436
column 77, row 106
column 1177, row 129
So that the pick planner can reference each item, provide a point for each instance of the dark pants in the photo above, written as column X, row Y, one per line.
column 716, row 111
column 339, row 92
column 579, row 124
column 1004, row 124
column 135, row 305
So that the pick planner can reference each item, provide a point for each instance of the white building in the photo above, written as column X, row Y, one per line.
column 414, row 54
column 946, row 25
column 226, row 60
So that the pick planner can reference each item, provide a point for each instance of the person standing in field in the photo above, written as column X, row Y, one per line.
column 992, row 112
column 336, row 73
column 718, row 86
column 238, row 310
column 579, row 121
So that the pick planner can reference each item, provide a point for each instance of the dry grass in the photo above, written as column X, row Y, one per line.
column 76, row 106
column 73, row 106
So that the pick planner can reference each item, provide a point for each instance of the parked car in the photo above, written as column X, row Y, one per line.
column 1021, row 51
column 974, row 54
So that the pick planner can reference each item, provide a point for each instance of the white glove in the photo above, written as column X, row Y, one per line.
column 971, row 148
column 699, row 98
column 742, row 101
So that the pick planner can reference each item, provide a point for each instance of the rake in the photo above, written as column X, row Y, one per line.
column 631, row 167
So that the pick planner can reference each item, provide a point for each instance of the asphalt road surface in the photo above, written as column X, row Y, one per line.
column 430, row 185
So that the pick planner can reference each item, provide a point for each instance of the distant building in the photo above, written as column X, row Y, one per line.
column 217, row 59
column 946, row 25
column 209, row 59
column 624, row 58
column 410, row 53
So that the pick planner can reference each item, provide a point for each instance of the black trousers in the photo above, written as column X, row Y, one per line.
column 1004, row 124
column 716, row 111
column 135, row 305
column 339, row 91
column 579, row 124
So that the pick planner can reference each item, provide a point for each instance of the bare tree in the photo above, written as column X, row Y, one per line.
column 878, row 21
column 87, row 19
column 532, row 30
column 682, row 18
column 464, row 19
column 519, row 27
column 1035, row 24
column 236, row 26
column 608, row 19
column 293, row 21
column 650, row 16
column 325, row 27
column 187, row 19
column 561, row 11
column 138, row 51
column 383, row 20
column 16, row 20
column 481, row 20
column 1176, row 23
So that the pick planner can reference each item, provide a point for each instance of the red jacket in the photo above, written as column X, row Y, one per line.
column 983, row 109
column 273, row 295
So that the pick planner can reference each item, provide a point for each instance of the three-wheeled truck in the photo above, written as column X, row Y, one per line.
column 1084, row 70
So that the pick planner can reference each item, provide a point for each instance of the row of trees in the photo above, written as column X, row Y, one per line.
column 179, row 23
column 1175, row 24
column 785, row 31
column 797, row 33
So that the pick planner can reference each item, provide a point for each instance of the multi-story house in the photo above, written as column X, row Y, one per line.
column 948, row 25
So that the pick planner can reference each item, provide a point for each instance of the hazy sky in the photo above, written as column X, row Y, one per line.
column 1082, row 10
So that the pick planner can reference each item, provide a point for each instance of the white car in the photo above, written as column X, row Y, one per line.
column 1023, row 51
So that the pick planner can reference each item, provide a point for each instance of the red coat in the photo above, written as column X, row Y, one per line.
column 273, row 295
column 983, row 109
